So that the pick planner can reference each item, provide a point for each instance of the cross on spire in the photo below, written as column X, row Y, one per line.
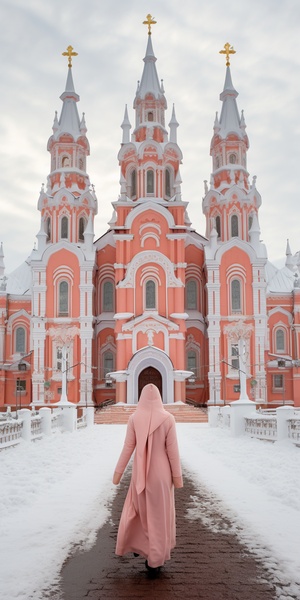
column 149, row 21
column 227, row 50
column 69, row 53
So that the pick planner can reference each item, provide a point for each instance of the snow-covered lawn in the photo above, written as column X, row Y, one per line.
column 55, row 493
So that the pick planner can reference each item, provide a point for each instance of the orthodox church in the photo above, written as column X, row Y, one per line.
column 206, row 317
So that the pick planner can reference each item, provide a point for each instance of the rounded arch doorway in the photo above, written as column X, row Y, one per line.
column 149, row 375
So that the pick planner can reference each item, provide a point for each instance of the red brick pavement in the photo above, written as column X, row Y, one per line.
column 206, row 564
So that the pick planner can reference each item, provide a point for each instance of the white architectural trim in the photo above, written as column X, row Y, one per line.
column 150, row 357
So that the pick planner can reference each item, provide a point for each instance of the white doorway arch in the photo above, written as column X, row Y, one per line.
column 150, row 357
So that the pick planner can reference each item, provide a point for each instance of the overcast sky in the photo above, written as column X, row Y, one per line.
column 111, row 41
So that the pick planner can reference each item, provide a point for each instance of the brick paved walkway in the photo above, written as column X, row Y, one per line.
column 207, row 563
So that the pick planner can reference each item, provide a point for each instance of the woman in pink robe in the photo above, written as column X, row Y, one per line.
column 147, row 524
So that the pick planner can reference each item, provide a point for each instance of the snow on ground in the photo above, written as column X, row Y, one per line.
column 55, row 494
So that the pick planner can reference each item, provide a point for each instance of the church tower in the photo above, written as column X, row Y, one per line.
column 149, row 225
column 63, row 263
column 235, row 259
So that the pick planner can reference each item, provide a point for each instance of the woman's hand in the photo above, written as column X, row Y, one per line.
column 117, row 477
column 177, row 481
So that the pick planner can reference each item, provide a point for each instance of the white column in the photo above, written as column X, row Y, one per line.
column 45, row 414
column 25, row 416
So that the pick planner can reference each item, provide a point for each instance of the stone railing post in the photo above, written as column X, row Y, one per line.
column 45, row 414
column 89, row 416
column 283, row 413
column 25, row 415
column 239, row 410
column 69, row 418
column 213, row 412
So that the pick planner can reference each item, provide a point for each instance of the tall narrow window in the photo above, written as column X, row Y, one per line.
column 167, row 183
column 235, row 363
column 250, row 221
column 150, row 116
column 234, row 226
column 133, row 183
column 20, row 339
column 150, row 294
column 108, row 362
column 63, row 300
column 280, row 339
column 150, row 181
column 48, row 229
column 192, row 361
column 236, row 301
column 64, row 228
column 108, row 296
column 66, row 161
column 218, row 225
column 278, row 382
column 232, row 159
column 81, row 228
column 191, row 294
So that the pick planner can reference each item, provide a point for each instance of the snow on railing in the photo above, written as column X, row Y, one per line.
column 31, row 425
column 10, row 433
column 294, row 429
column 263, row 427
column 264, row 424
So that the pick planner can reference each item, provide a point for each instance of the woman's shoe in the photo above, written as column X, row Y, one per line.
column 153, row 571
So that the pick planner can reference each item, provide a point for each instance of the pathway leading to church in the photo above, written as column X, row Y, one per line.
column 209, row 562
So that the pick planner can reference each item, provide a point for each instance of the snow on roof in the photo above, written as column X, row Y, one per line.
column 19, row 281
column 280, row 280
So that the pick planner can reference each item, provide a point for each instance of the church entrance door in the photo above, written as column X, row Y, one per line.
column 150, row 375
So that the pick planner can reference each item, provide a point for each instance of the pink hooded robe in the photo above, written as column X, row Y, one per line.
column 147, row 524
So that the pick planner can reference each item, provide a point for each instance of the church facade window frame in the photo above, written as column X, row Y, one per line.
column 82, row 223
column 234, row 225
column 236, row 295
column 150, row 293
column 64, row 227
column 20, row 339
column 150, row 182
column 192, row 295
column 63, row 297
column 280, row 346
column 107, row 305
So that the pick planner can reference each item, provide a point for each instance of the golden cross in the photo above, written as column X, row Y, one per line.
column 149, row 21
column 70, row 53
column 227, row 50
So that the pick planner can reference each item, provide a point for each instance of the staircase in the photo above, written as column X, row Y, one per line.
column 120, row 413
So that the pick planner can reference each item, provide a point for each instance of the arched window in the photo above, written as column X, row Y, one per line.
column 48, row 229
column 108, row 296
column 81, row 228
column 108, row 362
column 236, row 300
column 20, row 340
column 63, row 298
column 65, row 161
column 280, row 340
column 167, row 183
column 232, row 159
column 234, row 226
column 192, row 361
column 150, row 116
column 150, row 294
column 218, row 225
column 64, row 228
column 191, row 294
column 133, row 183
column 81, row 164
column 250, row 221
column 150, row 181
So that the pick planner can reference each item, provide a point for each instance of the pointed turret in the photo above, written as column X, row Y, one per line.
column 149, row 158
column 289, row 257
column 126, row 126
column 150, row 102
column 230, row 195
column 173, row 127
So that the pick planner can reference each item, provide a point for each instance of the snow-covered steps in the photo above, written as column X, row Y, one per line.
column 120, row 413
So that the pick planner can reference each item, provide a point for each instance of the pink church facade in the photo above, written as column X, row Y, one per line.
column 151, row 299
